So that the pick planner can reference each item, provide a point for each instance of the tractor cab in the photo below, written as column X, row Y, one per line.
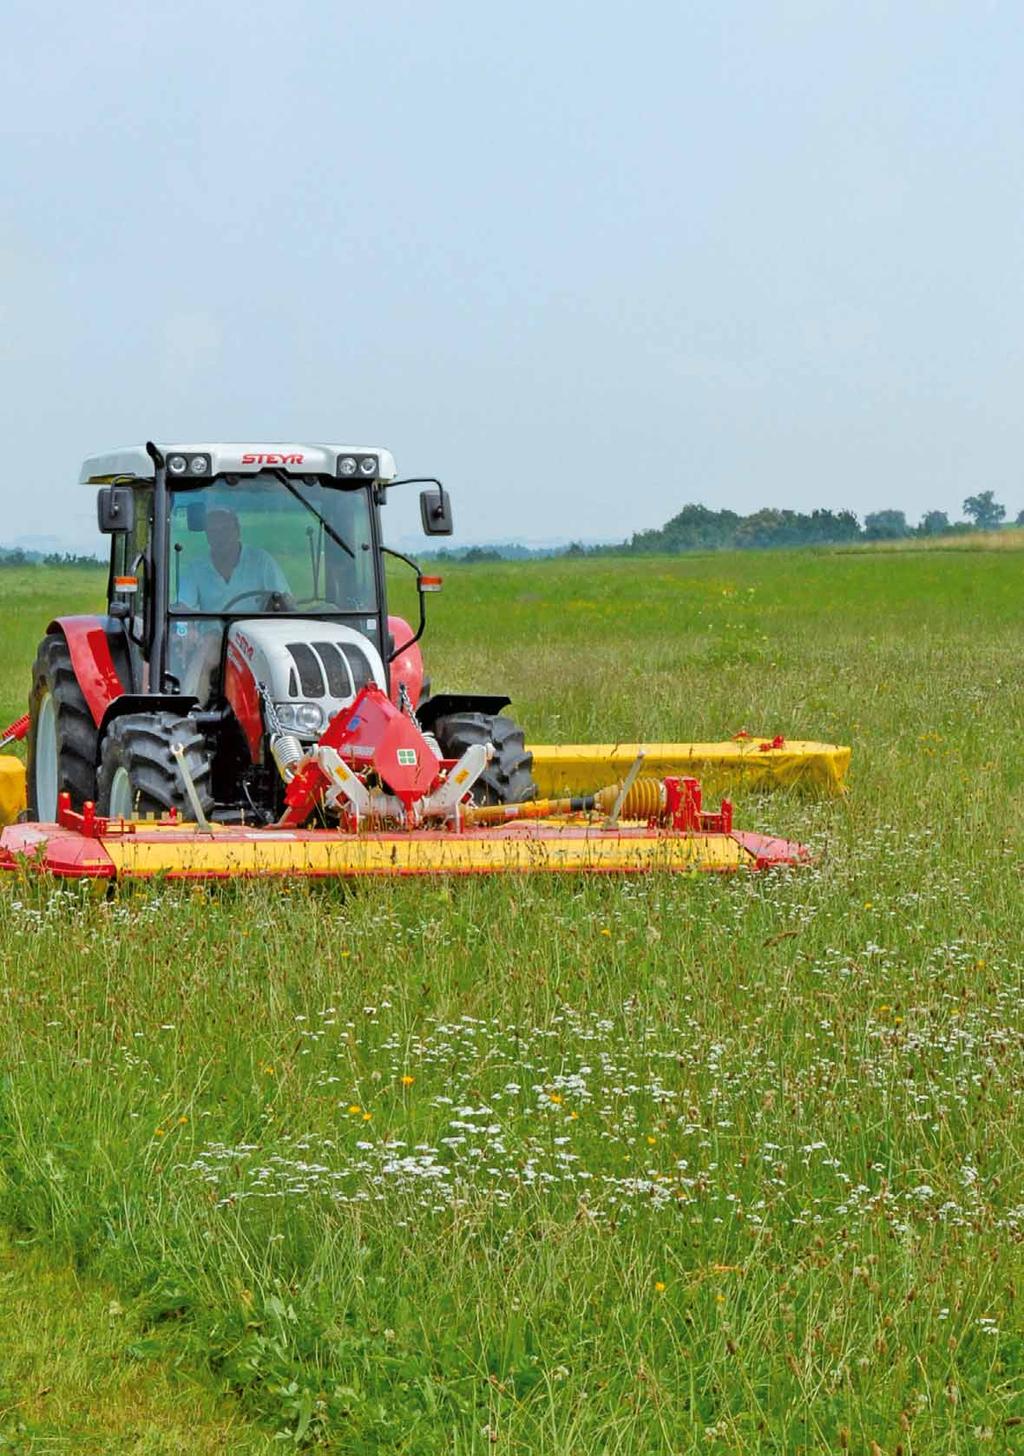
column 247, row 602
column 217, row 534
column 254, row 549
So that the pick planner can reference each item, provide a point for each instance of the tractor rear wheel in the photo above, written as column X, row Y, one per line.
column 139, row 773
column 507, row 778
column 62, row 737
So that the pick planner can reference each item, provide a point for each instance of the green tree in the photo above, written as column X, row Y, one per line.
column 831, row 526
column 695, row 528
column 984, row 510
column 768, row 527
column 934, row 523
column 885, row 526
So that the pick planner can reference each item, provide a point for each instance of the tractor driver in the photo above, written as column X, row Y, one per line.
column 235, row 577
column 234, row 573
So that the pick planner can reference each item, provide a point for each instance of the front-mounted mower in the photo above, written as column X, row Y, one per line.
column 248, row 705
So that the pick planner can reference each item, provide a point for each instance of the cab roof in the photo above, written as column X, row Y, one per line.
column 131, row 462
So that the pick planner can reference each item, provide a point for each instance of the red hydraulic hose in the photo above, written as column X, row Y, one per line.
column 15, row 732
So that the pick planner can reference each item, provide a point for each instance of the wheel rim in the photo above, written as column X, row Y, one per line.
column 44, row 759
column 122, row 800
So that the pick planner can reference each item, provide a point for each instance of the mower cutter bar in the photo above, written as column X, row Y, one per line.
column 143, row 849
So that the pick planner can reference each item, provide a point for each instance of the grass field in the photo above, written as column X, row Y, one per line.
column 664, row 1165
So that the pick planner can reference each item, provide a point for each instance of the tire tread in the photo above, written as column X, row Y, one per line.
column 508, row 779
column 141, row 744
column 77, row 734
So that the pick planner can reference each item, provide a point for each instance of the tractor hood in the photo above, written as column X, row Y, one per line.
column 310, row 668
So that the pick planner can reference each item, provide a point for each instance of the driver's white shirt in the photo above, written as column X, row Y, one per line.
column 205, row 590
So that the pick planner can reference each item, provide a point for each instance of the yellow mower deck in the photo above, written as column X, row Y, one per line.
column 755, row 763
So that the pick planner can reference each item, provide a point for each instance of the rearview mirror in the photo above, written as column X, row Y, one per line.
column 195, row 515
column 436, row 512
column 115, row 509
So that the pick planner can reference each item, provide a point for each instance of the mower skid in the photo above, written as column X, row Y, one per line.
column 742, row 763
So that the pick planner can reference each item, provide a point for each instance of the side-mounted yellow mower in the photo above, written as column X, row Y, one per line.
column 247, row 705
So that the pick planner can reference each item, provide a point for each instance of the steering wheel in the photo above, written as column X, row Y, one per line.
column 273, row 601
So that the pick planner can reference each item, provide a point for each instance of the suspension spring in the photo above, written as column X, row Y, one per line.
column 287, row 753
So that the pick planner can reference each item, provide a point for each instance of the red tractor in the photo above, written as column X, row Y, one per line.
column 247, row 607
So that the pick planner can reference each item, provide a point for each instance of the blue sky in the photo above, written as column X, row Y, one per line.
column 585, row 264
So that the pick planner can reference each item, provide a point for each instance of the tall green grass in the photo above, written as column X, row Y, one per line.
column 578, row 1166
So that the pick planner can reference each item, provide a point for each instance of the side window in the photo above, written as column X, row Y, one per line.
column 350, row 570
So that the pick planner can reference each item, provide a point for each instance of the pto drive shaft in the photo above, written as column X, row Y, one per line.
column 644, row 800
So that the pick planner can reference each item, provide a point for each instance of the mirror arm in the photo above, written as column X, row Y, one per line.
column 398, row 555
column 413, row 480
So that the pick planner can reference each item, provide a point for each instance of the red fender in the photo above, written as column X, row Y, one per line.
column 408, row 665
column 240, row 691
column 93, row 665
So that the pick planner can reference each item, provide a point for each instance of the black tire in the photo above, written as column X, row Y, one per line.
column 139, row 745
column 66, row 758
column 507, row 778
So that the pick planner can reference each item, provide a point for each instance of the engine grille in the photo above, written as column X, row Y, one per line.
column 339, row 679
column 311, row 678
column 345, row 668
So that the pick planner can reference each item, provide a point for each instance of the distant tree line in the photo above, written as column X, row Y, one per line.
column 696, row 528
column 15, row 556
column 699, row 528
column 504, row 551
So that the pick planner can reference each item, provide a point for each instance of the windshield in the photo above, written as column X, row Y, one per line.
column 263, row 546
column 266, row 546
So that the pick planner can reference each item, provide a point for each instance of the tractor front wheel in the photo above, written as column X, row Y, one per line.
column 62, row 737
column 139, row 773
column 507, row 778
